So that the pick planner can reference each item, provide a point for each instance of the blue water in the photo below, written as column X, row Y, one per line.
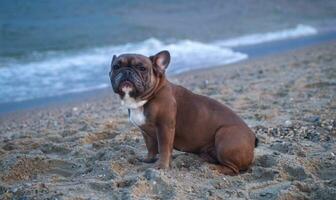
column 49, row 48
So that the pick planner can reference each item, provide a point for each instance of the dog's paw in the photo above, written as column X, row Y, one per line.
column 160, row 165
column 148, row 160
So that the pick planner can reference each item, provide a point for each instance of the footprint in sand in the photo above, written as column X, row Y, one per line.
column 152, row 184
column 325, row 170
column 26, row 168
column 59, row 149
column 64, row 168
column 269, row 191
column 268, row 160
column 283, row 147
column 264, row 174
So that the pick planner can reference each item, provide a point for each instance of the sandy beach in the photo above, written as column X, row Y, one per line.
column 87, row 149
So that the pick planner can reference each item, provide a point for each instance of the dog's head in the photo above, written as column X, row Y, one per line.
column 134, row 75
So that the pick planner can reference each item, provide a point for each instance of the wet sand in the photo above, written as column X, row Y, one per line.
column 87, row 149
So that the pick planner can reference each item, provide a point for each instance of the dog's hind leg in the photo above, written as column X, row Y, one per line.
column 234, row 151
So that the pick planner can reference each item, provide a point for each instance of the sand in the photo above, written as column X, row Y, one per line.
column 88, row 150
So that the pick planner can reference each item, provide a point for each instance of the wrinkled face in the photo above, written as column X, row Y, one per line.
column 132, row 74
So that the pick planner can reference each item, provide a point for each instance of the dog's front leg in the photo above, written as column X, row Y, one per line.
column 165, row 138
column 152, row 147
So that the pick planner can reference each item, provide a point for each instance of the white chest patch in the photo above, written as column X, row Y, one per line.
column 136, row 110
column 137, row 117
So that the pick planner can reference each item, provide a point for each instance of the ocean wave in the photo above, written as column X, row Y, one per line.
column 299, row 31
column 75, row 72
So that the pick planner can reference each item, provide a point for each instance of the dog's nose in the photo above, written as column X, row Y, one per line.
column 128, row 73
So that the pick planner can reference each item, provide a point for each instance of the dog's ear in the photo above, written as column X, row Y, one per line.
column 160, row 61
column 113, row 59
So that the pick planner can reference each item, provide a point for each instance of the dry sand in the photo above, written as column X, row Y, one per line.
column 89, row 150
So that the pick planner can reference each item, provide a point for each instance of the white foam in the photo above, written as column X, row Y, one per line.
column 74, row 72
column 299, row 31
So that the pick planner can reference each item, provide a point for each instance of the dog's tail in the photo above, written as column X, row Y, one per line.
column 256, row 142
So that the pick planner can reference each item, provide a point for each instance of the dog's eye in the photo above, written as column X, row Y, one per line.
column 142, row 68
column 116, row 67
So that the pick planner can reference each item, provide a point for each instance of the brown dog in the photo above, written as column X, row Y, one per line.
column 171, row 116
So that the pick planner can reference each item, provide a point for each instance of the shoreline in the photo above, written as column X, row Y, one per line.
column 253, row 51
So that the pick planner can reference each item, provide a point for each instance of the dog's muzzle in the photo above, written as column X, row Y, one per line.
column 127, row 78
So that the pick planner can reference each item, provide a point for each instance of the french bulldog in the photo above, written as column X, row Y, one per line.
column 172, row 117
